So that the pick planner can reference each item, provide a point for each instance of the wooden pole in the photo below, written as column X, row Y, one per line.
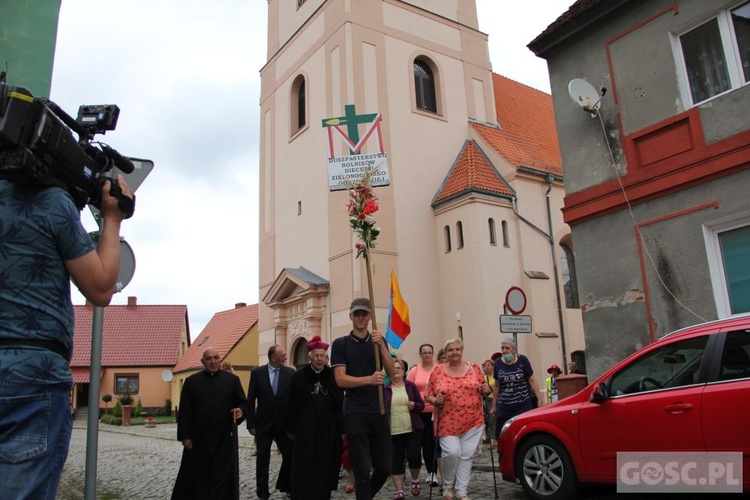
column 378, row 366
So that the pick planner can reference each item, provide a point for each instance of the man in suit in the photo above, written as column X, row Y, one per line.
column 269, row 390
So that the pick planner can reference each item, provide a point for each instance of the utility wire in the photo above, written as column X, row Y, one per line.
column 638, row 229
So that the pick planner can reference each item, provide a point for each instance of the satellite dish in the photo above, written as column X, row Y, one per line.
column 585, row 95
column 166, row 376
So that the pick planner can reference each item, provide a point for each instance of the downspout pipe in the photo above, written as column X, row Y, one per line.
column 550, row 180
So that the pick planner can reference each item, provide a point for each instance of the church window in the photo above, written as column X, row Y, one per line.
column 459, row 235
column 506, row 238
column 298, row 105
column 425, row 86
column 447, row 234
column 493, row 235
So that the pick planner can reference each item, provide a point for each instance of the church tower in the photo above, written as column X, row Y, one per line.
column 424, row 67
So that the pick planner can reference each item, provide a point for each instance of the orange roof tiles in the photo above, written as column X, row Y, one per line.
column 527, row 136
column 472, row 172
column 80, row 375
column 225, row 329
column 133, row 335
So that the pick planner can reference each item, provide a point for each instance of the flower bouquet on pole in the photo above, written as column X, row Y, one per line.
column 361, row 206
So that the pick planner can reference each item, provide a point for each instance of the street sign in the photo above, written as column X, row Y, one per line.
column 514, row 323
column 515, row 300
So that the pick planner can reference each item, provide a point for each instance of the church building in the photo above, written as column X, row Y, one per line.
column 472, row 204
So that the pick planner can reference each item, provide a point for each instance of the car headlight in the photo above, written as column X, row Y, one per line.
column 506, row 425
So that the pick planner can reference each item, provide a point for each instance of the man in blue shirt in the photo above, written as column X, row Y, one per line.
column 368, row 432
column 42, row 246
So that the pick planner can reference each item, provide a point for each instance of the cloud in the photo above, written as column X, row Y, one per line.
column 185, row 74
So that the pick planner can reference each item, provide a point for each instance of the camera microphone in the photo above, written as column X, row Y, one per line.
column 125, row 165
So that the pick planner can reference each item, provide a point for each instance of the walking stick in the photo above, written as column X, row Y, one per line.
column 437, row 444
column 492, row 456
column 236, row 457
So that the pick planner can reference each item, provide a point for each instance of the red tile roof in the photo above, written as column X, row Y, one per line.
column 527, row 136
column 225, row 329
column 81, row 375
column 133, row 335
column 471, row 172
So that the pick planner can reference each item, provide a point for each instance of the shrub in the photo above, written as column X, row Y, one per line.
column 117, row 410
column 138, row 408
column 168, row 408
column 111, row 420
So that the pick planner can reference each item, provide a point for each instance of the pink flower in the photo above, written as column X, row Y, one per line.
column 360, row 247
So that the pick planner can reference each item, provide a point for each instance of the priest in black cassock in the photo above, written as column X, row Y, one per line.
column 209, row 402
column 316, row 425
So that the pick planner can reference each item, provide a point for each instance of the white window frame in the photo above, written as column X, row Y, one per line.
column 731, row 53
column 711, row 231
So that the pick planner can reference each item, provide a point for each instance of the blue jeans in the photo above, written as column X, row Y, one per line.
column 35, row 428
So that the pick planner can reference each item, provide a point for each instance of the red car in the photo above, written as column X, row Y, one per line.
column 687, row 392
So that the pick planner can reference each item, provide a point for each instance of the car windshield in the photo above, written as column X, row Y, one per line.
column 673, row 365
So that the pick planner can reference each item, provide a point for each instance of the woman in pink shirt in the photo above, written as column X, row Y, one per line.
column 420, row 375
column 457, row 388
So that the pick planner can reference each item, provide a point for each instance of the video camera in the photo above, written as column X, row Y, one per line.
column 37, row 147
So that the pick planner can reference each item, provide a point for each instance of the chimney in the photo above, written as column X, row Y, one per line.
column 240, row 305
column 132, row 301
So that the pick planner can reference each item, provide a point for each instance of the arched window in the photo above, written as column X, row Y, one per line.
column 459, row 235
column 447, row 234
column 569, row 277
column 424, row 86
column 461, row 332
column 506, row 238
column 298, row 104
column 493, row 236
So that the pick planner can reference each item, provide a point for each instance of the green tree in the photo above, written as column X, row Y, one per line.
column 117, row 410
column 107, row 398
column 138, row 408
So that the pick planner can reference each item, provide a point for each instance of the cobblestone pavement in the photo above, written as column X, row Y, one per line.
column 139, row 463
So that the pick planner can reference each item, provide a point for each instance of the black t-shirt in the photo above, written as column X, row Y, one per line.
column 358, row 356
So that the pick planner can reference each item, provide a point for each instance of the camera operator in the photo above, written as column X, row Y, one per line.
column 42, row 246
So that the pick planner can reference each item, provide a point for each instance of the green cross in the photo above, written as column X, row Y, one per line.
column 352, row 120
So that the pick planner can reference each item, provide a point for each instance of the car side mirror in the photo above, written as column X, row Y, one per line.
column 600, row 393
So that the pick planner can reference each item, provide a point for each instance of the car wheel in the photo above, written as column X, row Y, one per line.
column 545, row 470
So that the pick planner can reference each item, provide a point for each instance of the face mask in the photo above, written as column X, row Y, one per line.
column 508, row 357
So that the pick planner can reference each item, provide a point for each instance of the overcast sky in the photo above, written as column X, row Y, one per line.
column 185, row 74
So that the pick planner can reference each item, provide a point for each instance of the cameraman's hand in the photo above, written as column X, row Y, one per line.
column 95, row 273
column 110, row 207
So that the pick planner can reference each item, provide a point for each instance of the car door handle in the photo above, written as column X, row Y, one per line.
column 678, row 408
